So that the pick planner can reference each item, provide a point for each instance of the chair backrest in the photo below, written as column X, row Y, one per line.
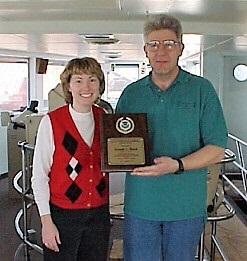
column 56, row 97
column 106, row 106
column 212, row 185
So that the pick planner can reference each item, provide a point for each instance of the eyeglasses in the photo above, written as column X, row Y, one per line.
column 169, row 45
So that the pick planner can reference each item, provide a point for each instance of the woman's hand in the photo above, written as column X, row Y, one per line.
column 50, row 234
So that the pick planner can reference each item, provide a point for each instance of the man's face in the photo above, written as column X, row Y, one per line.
column 163, row 58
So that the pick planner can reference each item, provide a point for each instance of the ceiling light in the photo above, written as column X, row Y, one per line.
column 101, row 39
column 147, row 6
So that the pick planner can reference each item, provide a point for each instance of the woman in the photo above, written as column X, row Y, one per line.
column 71, row 192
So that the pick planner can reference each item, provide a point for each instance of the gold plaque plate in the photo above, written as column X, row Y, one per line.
column 126, row 151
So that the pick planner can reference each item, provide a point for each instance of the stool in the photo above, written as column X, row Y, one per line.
column 215, row 199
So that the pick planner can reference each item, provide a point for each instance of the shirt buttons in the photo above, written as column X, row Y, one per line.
column 90, row 193
column 90, row 180
column 89, row 205
column 91, row 166
column 91, row 153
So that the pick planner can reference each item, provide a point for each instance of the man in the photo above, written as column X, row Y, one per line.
column 165, row 203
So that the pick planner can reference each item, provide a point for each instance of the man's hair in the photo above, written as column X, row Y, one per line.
column 85, row 65
column 162, row 21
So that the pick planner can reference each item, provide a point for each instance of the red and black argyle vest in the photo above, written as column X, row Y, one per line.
column 76, row 180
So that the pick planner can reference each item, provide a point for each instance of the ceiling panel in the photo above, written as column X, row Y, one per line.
column 52, row 27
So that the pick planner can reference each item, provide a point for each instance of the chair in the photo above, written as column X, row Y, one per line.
column 215, row 199
column 106, row 106
column 212, row 187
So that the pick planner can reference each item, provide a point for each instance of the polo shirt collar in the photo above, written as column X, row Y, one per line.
column 182, row 77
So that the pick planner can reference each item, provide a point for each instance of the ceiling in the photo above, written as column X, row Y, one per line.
column 57, row 28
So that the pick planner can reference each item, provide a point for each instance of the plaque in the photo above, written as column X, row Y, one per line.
column 124, row 141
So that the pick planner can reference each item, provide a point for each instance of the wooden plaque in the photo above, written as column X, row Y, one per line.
column 124, row 141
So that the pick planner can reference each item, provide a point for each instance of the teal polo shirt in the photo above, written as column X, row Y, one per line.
column 182, row 119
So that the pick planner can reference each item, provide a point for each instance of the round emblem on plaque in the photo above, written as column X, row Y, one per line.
column 125, row 125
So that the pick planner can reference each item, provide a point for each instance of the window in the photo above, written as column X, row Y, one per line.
column 240, row 72
column 13, row 83
column 117, row 79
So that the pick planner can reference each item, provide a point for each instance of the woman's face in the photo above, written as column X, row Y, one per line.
column 85, row 91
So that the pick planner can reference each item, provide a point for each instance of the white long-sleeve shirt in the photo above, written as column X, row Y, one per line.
column 43, row 154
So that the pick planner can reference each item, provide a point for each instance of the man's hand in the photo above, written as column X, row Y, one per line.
column 161, row 166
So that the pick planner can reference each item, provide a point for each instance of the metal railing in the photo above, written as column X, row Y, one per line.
column 239, row 147
column 23, row 177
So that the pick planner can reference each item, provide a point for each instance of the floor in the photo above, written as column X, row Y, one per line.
column 11, row 247
column 232, row 233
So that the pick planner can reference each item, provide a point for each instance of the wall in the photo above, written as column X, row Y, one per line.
column 218, row 68
column 213, row 69
column 234, row 98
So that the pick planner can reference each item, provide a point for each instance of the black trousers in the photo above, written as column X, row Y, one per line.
column 84, row 234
